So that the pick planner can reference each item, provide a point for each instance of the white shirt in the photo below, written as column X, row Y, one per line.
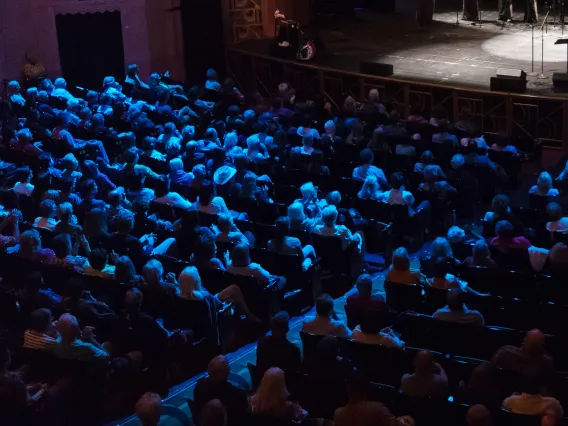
column 62, row 93
column 253, row 269
column 462, row 316
column 533, row 405
column 173, row 199
column 23, row 188
column 558, row 225
column 325, row 326
column 381, row 339
column 337, row 231
column 397, row 196
column 552, row 192
column 45, row 223
column 360, row 173
column 216, row 206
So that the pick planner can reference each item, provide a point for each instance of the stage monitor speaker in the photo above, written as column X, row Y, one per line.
column 509, row 85
column 511, row 73
column 560, row 79
column 376, row 68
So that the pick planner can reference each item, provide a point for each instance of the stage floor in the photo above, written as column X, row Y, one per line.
column 465, row 55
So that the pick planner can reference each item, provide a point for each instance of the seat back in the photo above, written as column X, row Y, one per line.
column 332, row 255
column 401, row 297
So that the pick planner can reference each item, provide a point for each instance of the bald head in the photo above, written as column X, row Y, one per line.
column 423, row 361
column 68, row 327
column 149, row 408
column 478, row 415
column 218, row 369
column 454, row 299
column 213, row 414
column 534, row 342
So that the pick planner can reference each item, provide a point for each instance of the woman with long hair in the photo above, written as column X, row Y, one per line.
column 272, row 396
column 191, row 288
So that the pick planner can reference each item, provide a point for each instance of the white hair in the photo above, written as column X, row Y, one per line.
column 457, row 161
column 296, row 211
column 307, row 189
column 60, row 83
column 176, row 164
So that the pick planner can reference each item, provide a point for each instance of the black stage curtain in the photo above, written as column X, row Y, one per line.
column 203, row 39
column 90, row 47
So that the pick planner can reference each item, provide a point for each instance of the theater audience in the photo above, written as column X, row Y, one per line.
column 76, row 344
column 361, row 410
column 480, row 256
column 368, row 169
column 544, row 186
column 531, row 402
column 363, row 299
column 456, row 311
column 557, row 223
column 150, row 412
column 271, row 398
column 400, row 272
column 325, row 322
column 429, row 379
column 369, row 332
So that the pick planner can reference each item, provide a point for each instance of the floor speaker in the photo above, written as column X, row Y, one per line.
column 509, row 85
column 560, row 79
column 511, row 73
column 376, row 68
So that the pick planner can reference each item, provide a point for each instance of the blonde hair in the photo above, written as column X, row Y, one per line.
column 272, row 394
column 296, row 211
column 190, row 284
column 370, row 189
column 400, row 259
column 544, row 181
column 153, row 272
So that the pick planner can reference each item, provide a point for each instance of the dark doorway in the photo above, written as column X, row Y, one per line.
column 90, row 48
column 203, row 40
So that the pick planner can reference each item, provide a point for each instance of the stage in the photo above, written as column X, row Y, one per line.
column 463, row 55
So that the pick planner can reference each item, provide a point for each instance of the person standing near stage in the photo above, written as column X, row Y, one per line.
column 424, row 12
column 506, row 10
column 531, row 12
column 470, row 10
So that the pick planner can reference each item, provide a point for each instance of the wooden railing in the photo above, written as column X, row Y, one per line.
column 541, row 118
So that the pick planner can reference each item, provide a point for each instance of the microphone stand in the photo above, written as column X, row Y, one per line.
column 541, row 76
column 532, row 73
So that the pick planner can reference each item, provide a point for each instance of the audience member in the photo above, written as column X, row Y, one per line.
column 275, row 350
column 429, row 379
column 325, row 322
column 456, row 311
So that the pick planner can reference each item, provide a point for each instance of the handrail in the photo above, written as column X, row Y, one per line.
column 390, row 79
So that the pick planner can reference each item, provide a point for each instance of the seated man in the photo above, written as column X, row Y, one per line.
column 41, row 333
column 217, row 386
column 530, row 402
column 366, row 168
column 325, row 322
column 228, row 231
column 285, row 244
column 457, row 312
column 429, row 379
column 275, row 350
column 165, row 196
column 75, row 344
column 46, row 220
column 364, row 300
column 557, row 222
column 150, row 412
column 370, row 332
column 61, row 132
column 530, row 356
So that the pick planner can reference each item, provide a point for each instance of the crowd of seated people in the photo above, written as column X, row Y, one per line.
column 137, row 201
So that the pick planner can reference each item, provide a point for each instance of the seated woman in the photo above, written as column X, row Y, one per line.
column 312, row 206
column 47, row 219
column 481, row 256
column 317, row 166
column 66, row 253
column 283, row 243
column 91, row 171
column 67, row 220
column 240, row 264
column 97, row 265
column 500, row 210
column 298, row 219
column 251, row 191
column 271, row 398
column 443, row 280
column 427, row 159
column 155, row 280
column 228, row 231
column 208, row 203
column 398, row 195
column 502, row 144
column 125, row 272
column 440, row 247
column 400, row 272
column 370, row 189
column 30, row 248
column 70, row 165
column 205, row 254
column 329, row 228
column 191, row 288
column 544, row 186
column 165, row 196
column 307, row 145
column 433, row 184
